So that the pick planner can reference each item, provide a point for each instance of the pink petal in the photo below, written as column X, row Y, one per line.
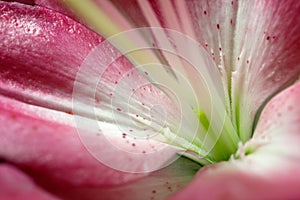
column 47, row 77
column 60, row 163
column 122, row 95
column 270, row 171
column 248, row 42
column 58, row 6
column 265, row 57
column 40, row 54
column 15, row 185
column 29, row 2
column 53, row 155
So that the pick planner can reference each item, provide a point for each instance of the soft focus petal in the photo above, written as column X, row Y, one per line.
column 53, row 155
column 35, row 141
column 15, row 185
column 267, row 166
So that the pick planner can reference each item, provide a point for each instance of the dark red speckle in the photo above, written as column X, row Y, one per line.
column 124, row 135
column 218, row 26
column 13, row 116
column 153, row 191
column 205, row 12
column 220, row 49
column 119, row 109
column 268, row 38
column 69, row 112
column 133, row 144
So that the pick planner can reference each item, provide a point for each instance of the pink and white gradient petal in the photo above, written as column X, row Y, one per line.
column 266, row 167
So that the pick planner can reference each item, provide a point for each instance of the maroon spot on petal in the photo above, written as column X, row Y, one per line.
column 218, row 26
column 133, row 144
column 69, row 112
column 206, row 45
column 124, row 135
column 290, row 108
column 2, row 160
column 238, row 58
column 153, row 191
column 279, row 114
column 268, row 38
column 232, row 3
column 231, row 21
column 13, row 116
column 29, row 2
column 247, row 61
column 146, row 73
column 119, row 109
column 220, row 48
column 204, row 12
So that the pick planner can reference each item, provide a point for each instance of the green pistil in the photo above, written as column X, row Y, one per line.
column 222, row 144
column 203, row 119
column 237, row 118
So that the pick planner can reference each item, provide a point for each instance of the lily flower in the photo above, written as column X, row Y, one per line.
column 149, row 99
